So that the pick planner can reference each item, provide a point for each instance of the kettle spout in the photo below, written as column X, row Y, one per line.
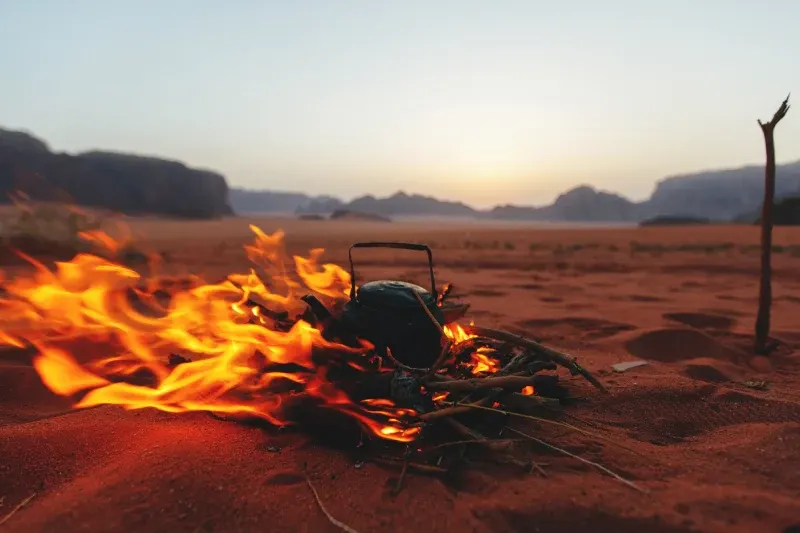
column 317, row 308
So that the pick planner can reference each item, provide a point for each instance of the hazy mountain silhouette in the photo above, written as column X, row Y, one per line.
column 137, row 184
column 719, row 195
column 583, row 203
column 250, row 201
column 124, row 183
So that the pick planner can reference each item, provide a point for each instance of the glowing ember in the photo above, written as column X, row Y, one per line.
column 241, row 363
column 440, row 396
column 527, row 390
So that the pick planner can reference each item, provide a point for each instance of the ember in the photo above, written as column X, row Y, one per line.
column 269, row 344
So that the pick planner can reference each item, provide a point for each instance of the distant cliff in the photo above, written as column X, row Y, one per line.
column 254, row 201
column 124, row 183
column 719, row 194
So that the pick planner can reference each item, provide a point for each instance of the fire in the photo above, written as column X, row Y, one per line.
column 239, row 361
column 481, row 360
column 456, row 333
column 440, row 396
column 527, row 390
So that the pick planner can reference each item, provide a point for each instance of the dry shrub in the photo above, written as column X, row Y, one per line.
column 57, row 231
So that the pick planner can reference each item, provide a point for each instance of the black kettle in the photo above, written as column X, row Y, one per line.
column 394, row 315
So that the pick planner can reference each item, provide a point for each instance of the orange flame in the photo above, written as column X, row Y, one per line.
column 236, row 353
column 527, row 390
column 456, row 333
column 481, row 360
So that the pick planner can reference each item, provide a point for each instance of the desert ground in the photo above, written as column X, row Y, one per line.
column 715, row 452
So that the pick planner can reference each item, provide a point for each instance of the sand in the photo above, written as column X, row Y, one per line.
column 715, row 454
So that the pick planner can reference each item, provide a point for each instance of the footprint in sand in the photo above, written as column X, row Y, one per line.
column 711, row 370
column 672, row 345
column 574, row 327
column 285, row 478
column 638, row 298
column 702, row 320
column 530, row 286
column 487, row 293
column 669, row 416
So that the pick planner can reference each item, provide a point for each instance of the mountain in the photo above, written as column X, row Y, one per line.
column 401, row 203
column 321, row 205
column 124, row 183
column 137, row 184
column 22, row 140
column 719, row 194
column 250, row 201
column 581, row 204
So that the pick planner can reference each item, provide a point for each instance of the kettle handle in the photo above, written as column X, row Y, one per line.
column 396, row 245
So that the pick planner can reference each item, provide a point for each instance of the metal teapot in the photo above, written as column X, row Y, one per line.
column 389, row 315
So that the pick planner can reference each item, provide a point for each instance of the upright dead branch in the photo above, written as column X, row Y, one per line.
column 765, row 289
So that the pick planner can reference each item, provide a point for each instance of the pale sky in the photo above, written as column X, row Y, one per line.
column 481, row 101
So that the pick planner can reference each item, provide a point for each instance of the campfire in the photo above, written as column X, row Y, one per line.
column 287, row 348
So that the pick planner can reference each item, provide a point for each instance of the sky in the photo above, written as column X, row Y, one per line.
column 487, row 102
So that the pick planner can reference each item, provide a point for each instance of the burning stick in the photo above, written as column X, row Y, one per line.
column 455, row 410
column 562, row 359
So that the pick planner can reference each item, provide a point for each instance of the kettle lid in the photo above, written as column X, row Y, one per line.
column 393, row 294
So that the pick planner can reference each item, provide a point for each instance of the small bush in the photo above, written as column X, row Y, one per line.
column 60, row 231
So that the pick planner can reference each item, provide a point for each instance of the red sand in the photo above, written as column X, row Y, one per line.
column 716, row 455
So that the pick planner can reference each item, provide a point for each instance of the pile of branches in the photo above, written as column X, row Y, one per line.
column 461, row 412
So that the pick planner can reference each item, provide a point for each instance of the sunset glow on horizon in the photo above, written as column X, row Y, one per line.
column 481, row 102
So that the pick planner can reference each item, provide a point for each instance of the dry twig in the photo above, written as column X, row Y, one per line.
column 331, row 519
column 557, row 423
column 583, row 460
column 400, row 480
column 421, row 467
column 479, row 442
column 19, row 506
